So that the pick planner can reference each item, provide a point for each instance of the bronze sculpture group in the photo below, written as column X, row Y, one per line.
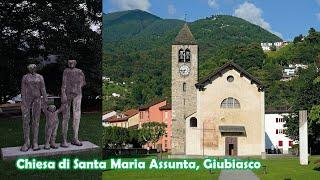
column 35, row 99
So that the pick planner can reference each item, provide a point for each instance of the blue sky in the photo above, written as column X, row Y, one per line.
column 286, row 18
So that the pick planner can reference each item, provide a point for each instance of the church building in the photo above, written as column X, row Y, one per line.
column 220, row 115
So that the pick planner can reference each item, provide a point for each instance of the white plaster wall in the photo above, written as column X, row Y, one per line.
column 193, row 137
column 250, row 115
column 270, row 132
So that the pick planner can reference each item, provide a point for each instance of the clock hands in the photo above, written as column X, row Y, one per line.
column 184, row 70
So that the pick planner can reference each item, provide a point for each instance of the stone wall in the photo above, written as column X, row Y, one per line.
column 183, row 103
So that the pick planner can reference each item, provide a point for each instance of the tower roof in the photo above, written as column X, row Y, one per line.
column 185, row 36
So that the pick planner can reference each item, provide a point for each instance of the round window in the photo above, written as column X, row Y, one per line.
column 230, row 78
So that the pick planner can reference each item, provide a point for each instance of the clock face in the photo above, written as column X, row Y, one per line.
column 184, row 70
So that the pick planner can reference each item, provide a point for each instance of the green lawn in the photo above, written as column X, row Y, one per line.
column 289, row 167
column 278, row 169
column 160, row 174
column 11, row 134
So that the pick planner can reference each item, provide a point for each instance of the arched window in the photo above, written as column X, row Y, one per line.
column 187, row 55
column 230, row 103
column 193, row 122
column 181, row 55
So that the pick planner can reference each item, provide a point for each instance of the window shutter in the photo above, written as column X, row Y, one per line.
column 280, row 143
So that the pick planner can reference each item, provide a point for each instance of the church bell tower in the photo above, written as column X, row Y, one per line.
column 184, row 77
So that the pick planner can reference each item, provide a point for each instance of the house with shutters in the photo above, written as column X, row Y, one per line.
column 276, row 139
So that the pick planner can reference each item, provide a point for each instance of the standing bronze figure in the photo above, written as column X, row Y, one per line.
column 32, row 88
column 71, row 92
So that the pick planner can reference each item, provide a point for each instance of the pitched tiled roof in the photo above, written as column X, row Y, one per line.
column 128, row 114
column 166, row 107
column 185, row 37
column 105, row 112
column 131, row 112
column 279, row 110
column 229, row 65
column 147, row 106
column 114, row 118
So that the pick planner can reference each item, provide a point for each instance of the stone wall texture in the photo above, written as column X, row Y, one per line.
column 184, row 103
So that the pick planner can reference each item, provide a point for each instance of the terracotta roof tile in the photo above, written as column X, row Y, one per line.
column 147, row 106
column 279, row 110
column 113, row 119
column 128, row 114
column 166, row 107
column 131, row 112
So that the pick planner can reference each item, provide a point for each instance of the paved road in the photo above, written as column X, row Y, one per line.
column 237, row 175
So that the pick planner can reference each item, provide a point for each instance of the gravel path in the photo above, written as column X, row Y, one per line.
column 237, row 175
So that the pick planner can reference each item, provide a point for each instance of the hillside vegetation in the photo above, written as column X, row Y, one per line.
column 144, row 58
column 137, row 48
column 138, row 53
column 300, row 51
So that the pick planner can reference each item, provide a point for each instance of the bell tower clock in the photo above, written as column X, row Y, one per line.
column 184, row 78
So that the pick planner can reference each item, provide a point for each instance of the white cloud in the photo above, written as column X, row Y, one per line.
column 253, row 14
column 213, row 3
column 278, row 34
column 131, row 4
column 171, row 9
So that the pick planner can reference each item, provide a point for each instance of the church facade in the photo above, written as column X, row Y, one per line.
column 221, row 115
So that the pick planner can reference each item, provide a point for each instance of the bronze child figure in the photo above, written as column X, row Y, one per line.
column 52, row 123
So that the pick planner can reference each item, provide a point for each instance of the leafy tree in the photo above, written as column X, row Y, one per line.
column 317, row 62
column 273, row 48
column 151, row 132
column 292, row 126
column 137, row 48
column 298, row 39
column 279, row 94
column 38, row 31
column 306, row 98
column 314, row 36
column 142, row 55
column 115, row 137
column 312, row 31
column 245, row 55
column 135, row 138
column 315, row 114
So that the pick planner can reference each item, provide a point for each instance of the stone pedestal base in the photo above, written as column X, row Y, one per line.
column 10, row 153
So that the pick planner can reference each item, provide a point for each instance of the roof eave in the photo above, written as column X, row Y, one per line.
column 184, row 43
column 231, row 65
